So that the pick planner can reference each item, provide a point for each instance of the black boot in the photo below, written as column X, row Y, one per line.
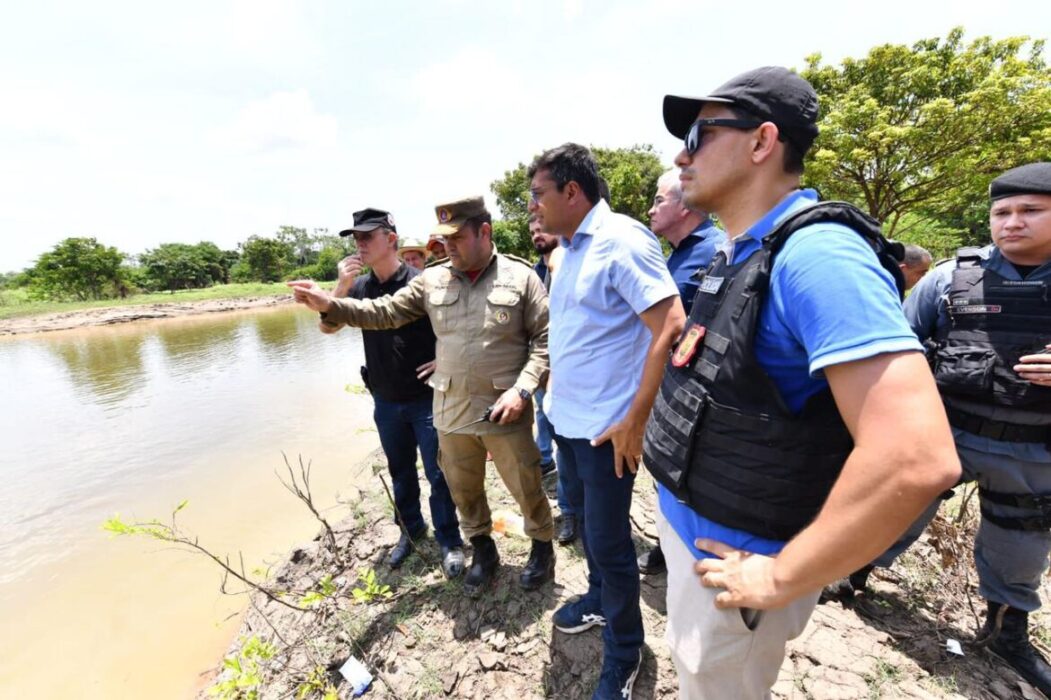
column 1006, row 634
column 484, row 561
column 652, row 562
column 844, row 589
column 404, row 548
column 540, row 568
column 567, row 532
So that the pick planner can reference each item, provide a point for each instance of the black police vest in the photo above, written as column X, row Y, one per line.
column 720, row 436
column 994, row 321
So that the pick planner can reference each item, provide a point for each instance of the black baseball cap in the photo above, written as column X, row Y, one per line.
column 771, row 93
column 1034, row 178
column 369, row 219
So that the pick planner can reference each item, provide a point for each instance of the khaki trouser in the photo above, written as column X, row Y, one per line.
column 462, row 459
column 716, row 656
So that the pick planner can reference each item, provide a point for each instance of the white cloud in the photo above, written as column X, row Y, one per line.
column 282, row 120
column 571, row 9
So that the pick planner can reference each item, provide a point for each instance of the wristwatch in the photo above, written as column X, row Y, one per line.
column 525, row 394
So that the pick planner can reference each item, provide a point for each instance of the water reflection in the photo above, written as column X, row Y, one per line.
column 96, row 415
column 133, row 419
column 105, row 368
column 190, row 346
column 278, row 332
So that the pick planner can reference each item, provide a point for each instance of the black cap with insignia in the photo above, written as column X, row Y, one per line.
column 1034, row 178
column 369, row 219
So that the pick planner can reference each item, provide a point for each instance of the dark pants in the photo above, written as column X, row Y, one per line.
column 545, row 433
column 602, row 502
column 402, row 427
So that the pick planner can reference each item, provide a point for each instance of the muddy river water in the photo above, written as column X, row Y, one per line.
column 132, row 420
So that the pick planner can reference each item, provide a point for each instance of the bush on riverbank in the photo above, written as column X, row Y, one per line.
column 16, row 303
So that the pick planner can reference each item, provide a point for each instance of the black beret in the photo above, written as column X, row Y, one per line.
column 1034, row 178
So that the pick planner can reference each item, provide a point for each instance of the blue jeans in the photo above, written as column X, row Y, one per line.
column 402, row 427
column 602, row 503
column 545, row 433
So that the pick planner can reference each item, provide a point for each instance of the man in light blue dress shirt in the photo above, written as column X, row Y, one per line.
column 615, row 312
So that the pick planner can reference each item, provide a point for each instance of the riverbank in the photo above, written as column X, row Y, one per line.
column 421, row 638
column 26, row 318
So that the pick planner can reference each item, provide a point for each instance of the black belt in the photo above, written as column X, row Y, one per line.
column 997, row 430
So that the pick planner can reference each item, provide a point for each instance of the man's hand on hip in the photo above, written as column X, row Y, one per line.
column 747, row 579
column 627, row 444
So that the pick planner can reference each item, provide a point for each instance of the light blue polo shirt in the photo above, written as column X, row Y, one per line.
column 612, row 271
column 829, row 302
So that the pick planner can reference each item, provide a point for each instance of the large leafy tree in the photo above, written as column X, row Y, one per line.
column 266, row 259
column 174, row 266
column 77, row 268
column 920, row 130
column 631, row 174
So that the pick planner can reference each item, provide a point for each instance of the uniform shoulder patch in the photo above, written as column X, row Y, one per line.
column 517, row 259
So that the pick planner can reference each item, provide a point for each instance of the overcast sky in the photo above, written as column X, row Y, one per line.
column 141, row 123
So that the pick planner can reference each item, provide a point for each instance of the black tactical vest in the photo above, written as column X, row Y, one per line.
column 720, row 436
column 994, row 321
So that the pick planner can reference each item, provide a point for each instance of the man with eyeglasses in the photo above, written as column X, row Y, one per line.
column 694, row 238
column 397, row 362
column 614, row 314
column 489, row 313
column 770, row 434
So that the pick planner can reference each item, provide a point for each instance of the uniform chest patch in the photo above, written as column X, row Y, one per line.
column 502, row 316
column 711, row 285
column 687, row 347
column 977, row 309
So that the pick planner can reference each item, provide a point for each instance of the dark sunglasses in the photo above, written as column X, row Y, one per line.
column 364, row 236
column 695, row 136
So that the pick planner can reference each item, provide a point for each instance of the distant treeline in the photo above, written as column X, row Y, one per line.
column 83, row 268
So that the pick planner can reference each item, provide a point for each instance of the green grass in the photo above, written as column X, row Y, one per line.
column 15, row 304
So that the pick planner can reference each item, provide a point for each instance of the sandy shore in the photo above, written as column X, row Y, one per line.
column 128, row 314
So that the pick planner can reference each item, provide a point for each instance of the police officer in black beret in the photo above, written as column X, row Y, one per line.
column 986, row 318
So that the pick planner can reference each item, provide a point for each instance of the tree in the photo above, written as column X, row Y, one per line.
column 922, row 129
column 631, row 174
column 306, row 247
column 174, row 266
column 77, row 268
column 266, row 259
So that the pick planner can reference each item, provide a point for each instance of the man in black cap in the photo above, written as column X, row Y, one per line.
column 986, row 318
column 489, row 312
column 403, row 401
column 768, row 435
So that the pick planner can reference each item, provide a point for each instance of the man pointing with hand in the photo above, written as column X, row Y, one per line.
column 489, row 314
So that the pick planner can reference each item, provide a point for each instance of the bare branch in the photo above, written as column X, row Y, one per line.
column 300, row 488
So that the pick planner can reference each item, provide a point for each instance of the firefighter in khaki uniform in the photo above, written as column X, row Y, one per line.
column 489, row 313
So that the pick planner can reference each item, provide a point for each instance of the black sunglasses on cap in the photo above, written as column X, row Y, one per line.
column 695, row 137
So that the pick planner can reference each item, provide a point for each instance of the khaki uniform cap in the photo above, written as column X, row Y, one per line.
column 452, row 216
